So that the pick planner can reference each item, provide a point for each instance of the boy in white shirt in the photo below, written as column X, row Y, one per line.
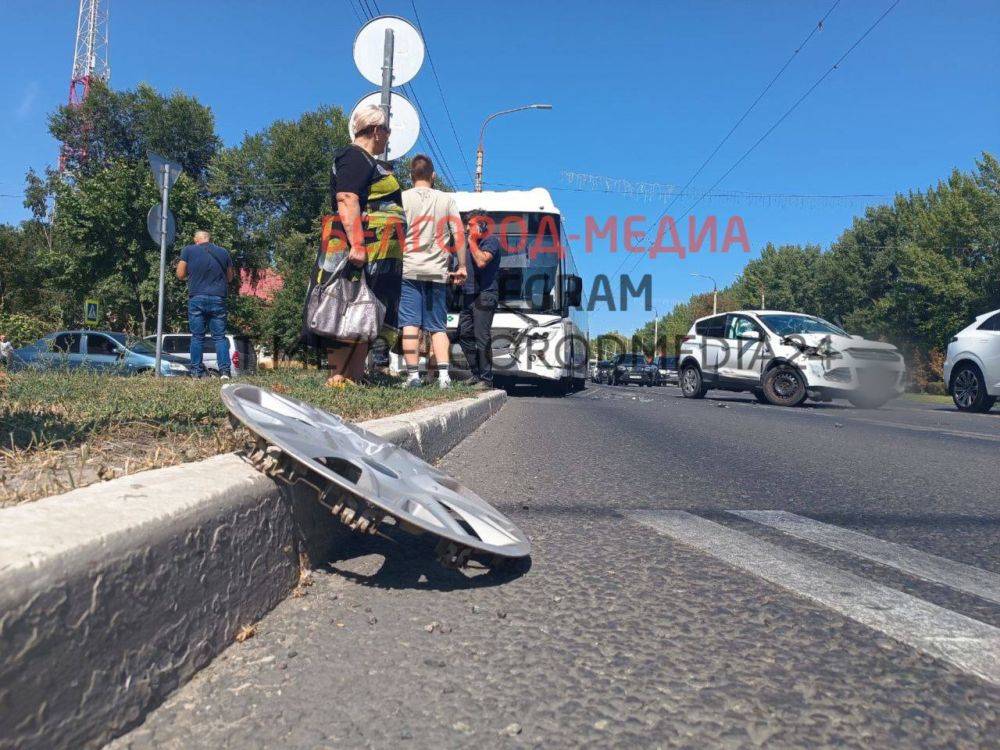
column 434, row 232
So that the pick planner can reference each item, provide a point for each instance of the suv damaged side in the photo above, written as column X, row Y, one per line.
column 786, row 358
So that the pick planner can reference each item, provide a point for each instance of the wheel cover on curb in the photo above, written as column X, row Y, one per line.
column 369, row 478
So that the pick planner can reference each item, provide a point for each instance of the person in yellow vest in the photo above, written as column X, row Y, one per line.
column 369, row 225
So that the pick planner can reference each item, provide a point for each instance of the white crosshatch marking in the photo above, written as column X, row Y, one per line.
column 956, row 575
column 969, row 645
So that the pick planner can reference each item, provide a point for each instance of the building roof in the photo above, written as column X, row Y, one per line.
column 264, row 283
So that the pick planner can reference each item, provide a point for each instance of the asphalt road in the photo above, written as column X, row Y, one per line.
column 652, row 614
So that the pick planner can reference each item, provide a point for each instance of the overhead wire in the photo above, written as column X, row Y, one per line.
column 818, row 26
column 777, row 122
column 451, row 121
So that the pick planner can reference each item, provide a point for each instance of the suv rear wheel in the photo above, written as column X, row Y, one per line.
column 783, row 386
column 692, row 384
column 968, row 390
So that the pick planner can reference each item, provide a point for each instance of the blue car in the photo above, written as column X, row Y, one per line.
column 95, row 350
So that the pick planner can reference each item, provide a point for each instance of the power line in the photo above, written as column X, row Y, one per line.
column 778, row 122
column 760, row 96
column 439, row 154
column 354, row 10
column 454, row 131
column 746, row 112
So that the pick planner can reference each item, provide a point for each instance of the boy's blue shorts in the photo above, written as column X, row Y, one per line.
column 424, row 304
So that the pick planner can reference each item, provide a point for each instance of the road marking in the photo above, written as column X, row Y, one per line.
column 924, row 565
column 968, row 644
column 923, row 428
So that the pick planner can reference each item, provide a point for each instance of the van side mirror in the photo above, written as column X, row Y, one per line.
column 573, row 291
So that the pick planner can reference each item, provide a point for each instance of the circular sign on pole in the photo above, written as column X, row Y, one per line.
column 153, row 225
column 408, row 49
column 403, row 122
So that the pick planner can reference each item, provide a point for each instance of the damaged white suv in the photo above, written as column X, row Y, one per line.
column 784, row 358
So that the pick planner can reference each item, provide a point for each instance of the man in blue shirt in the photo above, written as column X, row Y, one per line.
column 208, row 270
column 479, row 301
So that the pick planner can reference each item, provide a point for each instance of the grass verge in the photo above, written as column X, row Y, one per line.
column 66, row 429
column 927, row 398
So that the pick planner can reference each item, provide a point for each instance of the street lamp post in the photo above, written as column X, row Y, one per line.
column 715, row 292
column 482, row 130
column 656, row 331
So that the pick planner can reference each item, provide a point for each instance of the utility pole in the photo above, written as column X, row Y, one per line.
column 164, row 197
column 390, row 42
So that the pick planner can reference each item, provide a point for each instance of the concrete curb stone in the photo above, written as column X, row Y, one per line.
column 115, row 594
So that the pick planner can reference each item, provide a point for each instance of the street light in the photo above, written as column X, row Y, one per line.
column 482, row 130
column 656, row 331
column 715, row 292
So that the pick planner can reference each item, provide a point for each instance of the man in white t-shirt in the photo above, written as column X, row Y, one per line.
column 6, row 351
column 434, row 235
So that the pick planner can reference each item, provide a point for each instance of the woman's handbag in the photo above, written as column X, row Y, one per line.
column 344, row 308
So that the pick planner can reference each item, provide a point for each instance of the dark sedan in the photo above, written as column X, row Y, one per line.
column 632, row 368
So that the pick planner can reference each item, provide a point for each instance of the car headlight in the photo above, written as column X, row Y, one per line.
column 821, row 352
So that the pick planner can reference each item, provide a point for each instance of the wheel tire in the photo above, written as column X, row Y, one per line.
column 692, row 384
column 968, row 390
column 759, row 395
column 783, row 386
column 579, row 384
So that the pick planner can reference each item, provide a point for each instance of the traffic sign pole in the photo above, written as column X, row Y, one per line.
column 390, row 43
column 163, row 265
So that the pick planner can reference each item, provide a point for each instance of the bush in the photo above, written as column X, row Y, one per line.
column 22, row 330
column 936, row 388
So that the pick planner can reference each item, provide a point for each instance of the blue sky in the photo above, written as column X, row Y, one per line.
column 642, row 92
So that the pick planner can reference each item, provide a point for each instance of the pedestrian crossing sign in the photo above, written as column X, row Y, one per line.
column 91, row 311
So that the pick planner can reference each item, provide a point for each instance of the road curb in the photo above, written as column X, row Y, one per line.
column 114, row 595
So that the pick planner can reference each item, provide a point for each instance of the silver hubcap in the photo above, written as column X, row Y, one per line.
column 690, row 381
column 966, row 388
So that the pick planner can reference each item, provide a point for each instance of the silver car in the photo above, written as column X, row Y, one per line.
column 105, row 351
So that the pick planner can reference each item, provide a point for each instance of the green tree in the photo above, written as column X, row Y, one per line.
column 126, row 125
column 106, row 251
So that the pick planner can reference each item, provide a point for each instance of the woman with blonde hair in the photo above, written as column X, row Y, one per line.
column 368, row 224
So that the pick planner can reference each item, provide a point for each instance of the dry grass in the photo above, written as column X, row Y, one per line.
column 69, row 429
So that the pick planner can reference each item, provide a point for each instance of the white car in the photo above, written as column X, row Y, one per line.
column 241, row 352
column 972, row 365
column 783, row 358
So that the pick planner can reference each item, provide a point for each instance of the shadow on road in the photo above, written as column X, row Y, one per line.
column 410, row 563
column 817, row 405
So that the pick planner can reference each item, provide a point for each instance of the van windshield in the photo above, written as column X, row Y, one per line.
column 529, row 260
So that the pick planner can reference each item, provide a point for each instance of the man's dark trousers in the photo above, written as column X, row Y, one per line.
column 474, row 324
column 207, row 312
